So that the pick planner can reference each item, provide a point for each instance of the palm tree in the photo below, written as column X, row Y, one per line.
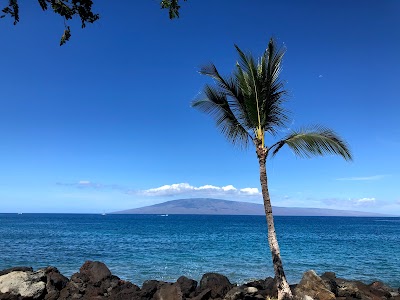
column 248, row 106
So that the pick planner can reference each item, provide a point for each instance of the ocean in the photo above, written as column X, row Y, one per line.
column 143, row 247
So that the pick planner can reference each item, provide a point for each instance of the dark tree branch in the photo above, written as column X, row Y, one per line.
column 81, row 9
column 173, row 7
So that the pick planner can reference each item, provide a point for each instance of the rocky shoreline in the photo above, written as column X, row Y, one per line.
column 95, row 281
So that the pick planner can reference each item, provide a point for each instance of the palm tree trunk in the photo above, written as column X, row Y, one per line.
column 284, row 292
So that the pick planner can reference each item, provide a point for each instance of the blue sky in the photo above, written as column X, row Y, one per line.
column 104, row 123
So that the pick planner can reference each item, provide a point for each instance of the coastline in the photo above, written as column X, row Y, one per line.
column 95, row 281
column 139, row 247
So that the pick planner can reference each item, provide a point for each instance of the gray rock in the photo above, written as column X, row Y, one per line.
column 328, row 275
column 204, row 295
column 254, row 297
column 251, row 290
column 359, row 290
column 266, row 287
column 244, row 292
column 381, row 290
column 25, row 284
column 24, row 269
column 236, row 293
column 125, row 290
column 75, row 288
column 313, row 286
column 169, row 292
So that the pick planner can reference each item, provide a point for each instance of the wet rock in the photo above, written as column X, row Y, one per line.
column 55, row 282
column 187, row 286
column 313, row 286
column 217, row 283
column 27, row 284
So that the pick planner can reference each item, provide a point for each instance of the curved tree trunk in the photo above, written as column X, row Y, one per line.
column 284, row 292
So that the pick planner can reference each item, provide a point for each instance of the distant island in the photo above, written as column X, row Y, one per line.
column 208, row 206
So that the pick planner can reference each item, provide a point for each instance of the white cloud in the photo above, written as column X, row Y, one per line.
column 169, row 190
column 229, row 188
column 366, row 178
column 364, row 201
column 84, row 182
column 250, row 191
column 205, row 190
column 204, row 187
column 87, row 184
column 350, row 202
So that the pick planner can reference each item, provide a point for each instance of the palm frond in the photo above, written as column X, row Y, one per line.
column 274, row 115
column 262, row 89
column 249, row 74
column 248, row 103
column 314, row 141
column 215, row 104
column 230, row 87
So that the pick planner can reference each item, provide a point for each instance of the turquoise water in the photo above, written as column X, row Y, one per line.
column 141, row 247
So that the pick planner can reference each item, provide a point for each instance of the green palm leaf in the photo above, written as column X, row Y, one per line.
column 314, row 141
column 215, row 104
column 274, row 115
column 262, row 89
column 233, row 92
column 251, row 86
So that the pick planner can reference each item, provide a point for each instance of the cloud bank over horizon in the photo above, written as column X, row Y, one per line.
column 205, row 191
column 363, row 178
column 153, row 195
column 351, row 203
column 170, row 190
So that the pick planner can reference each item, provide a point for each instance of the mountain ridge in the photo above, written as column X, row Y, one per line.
column 211, row 206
